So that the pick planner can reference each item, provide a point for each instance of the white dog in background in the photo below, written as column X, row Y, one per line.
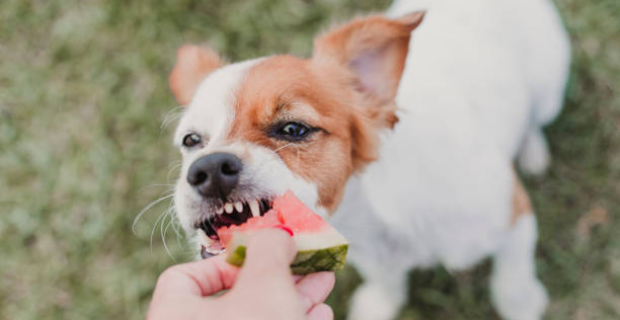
column 466, row 94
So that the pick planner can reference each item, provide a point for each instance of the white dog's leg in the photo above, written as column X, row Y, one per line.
column 380, row 297
column 516, row 292
column 383, row 263
column 534, row 156
column 381, row 256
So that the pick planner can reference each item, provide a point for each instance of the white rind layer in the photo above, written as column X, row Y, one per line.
column 314, row 240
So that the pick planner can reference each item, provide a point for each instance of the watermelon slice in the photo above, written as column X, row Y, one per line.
column 319, row 246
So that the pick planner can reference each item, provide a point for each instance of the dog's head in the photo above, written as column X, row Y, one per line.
column 254, row 129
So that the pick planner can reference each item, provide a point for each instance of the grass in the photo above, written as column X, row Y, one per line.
column 82, row 98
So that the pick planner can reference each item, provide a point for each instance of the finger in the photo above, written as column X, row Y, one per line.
column 200, row 278
column 314, row 288
column 269, row 255
column 321, row 312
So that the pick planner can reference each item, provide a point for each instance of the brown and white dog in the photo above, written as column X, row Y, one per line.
column 405, row 139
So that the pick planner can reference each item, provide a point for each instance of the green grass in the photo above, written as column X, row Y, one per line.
column 83, row 95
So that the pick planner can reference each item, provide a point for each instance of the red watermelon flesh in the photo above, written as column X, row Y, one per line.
column 269, row 220
column 320, row 246
column 287, row 211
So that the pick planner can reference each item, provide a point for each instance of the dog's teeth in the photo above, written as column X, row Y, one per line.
column 239, row 206
column 228, row 207
column 219, row 210
column 254, row 207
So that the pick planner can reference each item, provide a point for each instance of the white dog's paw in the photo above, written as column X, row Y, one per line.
column 372, row 302
column 534, row 156
column 520, row 301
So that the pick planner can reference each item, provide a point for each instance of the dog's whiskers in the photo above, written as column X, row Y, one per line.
column 162, row 215
column 174, row 223
column 284, row 146
column 146, row 209
column 169, row 186
column 175, row 228
column 318, row 197
column 298, row 156
column 174, row 167
column 163, row 232
column 171, row 116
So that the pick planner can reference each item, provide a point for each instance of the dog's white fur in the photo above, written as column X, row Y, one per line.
column 482, row 78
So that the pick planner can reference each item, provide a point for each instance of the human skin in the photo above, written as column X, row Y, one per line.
column 263, row 289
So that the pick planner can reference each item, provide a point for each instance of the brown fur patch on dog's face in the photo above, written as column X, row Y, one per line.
column 344, row 94
column 286, row 89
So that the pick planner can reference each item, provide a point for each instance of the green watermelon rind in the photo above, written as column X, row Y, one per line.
column 306, row 261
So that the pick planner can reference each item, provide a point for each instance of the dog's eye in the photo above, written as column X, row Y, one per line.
column 293, row 131
column 191, row 140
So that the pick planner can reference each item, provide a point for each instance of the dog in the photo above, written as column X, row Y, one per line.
column 403, row 129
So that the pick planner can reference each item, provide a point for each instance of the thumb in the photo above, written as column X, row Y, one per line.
column 265, row 280
column 269, row 255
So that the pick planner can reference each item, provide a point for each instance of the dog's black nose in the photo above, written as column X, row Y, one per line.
column 215, row 175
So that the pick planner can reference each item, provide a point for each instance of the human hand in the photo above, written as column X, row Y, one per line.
column 263, row 289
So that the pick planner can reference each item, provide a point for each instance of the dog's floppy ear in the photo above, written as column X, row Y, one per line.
column 374, row 48
column 193, row 64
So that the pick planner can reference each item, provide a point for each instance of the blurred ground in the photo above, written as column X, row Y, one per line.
column 83, row 97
